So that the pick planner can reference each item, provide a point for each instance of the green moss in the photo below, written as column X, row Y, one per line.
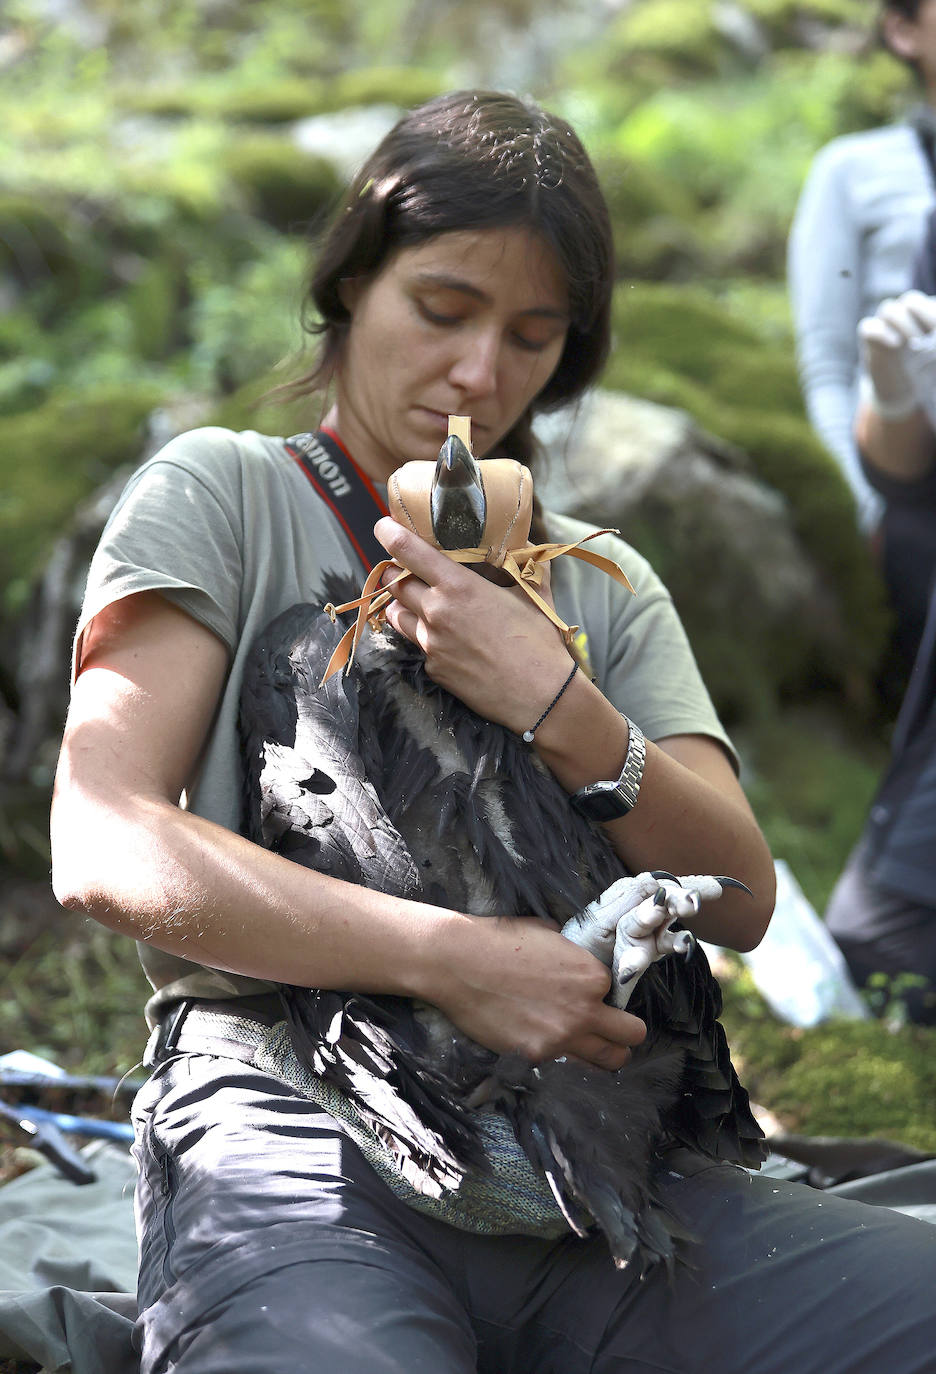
column 46, row 246
column 680, row 35
column 258, row 405
column 78, row 999
column 844, row 1078
column 283, row 186
column 54, row 456
column 654, row 218
column 154, row 304
column 286, row 98
column 783, row 18
column 244, row 324
column 402, row 86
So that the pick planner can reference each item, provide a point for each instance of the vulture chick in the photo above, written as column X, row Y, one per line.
column 380, row 777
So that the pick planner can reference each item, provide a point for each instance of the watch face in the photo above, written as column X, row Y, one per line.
column 603, row 802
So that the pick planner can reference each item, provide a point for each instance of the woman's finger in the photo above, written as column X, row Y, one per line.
column 407, row 549
column 601, row 1053
column 408, row 592
column 405, row 621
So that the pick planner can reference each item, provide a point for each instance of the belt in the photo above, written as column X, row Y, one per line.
column 233, row 1028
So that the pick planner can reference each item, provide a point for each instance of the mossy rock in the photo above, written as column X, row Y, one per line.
column 749, row 663
column 843, row 1078
column 881, row 87
column 401, row 86
column 54, row 456
column 155, row 303
column 681, row 348
column 289, row 98
column 27, row 371
column 676, row 38
column 283, row 186
column 653, row 218
column 48, row 246
column 783, row 18
column 260, row 405
column 243, row 325
column 216, row 97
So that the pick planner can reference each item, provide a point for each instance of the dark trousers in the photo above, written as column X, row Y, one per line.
column 269, row 1245
column 881, row 932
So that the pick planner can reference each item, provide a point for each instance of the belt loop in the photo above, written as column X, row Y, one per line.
column 167, row 1033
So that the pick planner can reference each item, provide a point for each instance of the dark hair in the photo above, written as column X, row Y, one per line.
column 908, row 8
column 474, row 160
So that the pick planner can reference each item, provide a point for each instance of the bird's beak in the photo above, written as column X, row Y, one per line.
column 457, row 502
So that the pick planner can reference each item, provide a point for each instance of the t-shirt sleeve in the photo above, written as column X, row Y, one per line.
column 176, row 529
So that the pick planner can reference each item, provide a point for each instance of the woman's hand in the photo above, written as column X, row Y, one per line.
column 516, row 986
column 895, row 427
column 488, row 645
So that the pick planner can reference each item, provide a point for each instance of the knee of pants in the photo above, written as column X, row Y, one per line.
column 361, row 1315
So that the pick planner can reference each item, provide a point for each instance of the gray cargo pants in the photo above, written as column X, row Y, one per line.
column 269, row 1246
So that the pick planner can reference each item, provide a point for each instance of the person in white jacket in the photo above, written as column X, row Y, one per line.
column 855, row 235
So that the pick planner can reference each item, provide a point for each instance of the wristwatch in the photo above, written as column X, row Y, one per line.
column 607, row 801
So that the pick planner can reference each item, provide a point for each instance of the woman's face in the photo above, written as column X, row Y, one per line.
column 468, row 323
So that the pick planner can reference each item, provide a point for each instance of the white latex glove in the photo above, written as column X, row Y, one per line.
column 921, row 365
column 628, row 926
column 890, row 343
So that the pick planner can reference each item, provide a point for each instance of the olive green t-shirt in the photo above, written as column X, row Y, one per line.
column 228, row 528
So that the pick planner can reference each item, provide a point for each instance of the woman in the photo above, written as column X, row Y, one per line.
column 469, row 271
column 855, row 234
column 883, row 909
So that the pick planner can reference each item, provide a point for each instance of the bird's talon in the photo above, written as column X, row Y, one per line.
column 735, row 882
column 660, row 874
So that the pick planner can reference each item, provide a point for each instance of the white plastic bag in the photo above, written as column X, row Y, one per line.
column 798, row 967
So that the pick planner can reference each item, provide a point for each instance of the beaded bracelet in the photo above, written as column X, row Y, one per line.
column 527, row 735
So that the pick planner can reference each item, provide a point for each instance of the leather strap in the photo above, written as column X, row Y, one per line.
column 525, row 565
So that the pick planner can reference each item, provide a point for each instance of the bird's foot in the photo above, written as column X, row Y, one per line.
column 629, row 927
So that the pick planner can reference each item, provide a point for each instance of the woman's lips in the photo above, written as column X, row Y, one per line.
column 440, row 418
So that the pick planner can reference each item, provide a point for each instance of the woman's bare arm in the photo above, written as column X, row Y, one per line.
column 904, row 449
column 126, row 853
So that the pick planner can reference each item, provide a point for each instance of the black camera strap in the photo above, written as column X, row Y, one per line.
column 348, row 492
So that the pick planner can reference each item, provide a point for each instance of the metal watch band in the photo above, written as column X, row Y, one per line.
column 607, row 801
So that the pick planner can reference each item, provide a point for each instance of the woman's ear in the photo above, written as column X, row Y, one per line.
column 901, row 35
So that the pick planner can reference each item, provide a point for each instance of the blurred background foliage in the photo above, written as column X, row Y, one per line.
column 163, row 164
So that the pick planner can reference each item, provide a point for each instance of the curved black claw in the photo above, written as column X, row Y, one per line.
column 735, row 882
column 692, row 947
column 457, row 503
column 659, row 897
column 661, row 873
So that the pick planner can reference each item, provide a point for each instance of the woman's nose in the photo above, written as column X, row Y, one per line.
column 474, row 369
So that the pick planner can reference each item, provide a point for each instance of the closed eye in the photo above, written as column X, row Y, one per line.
column 437, row 316
column 531, row 345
